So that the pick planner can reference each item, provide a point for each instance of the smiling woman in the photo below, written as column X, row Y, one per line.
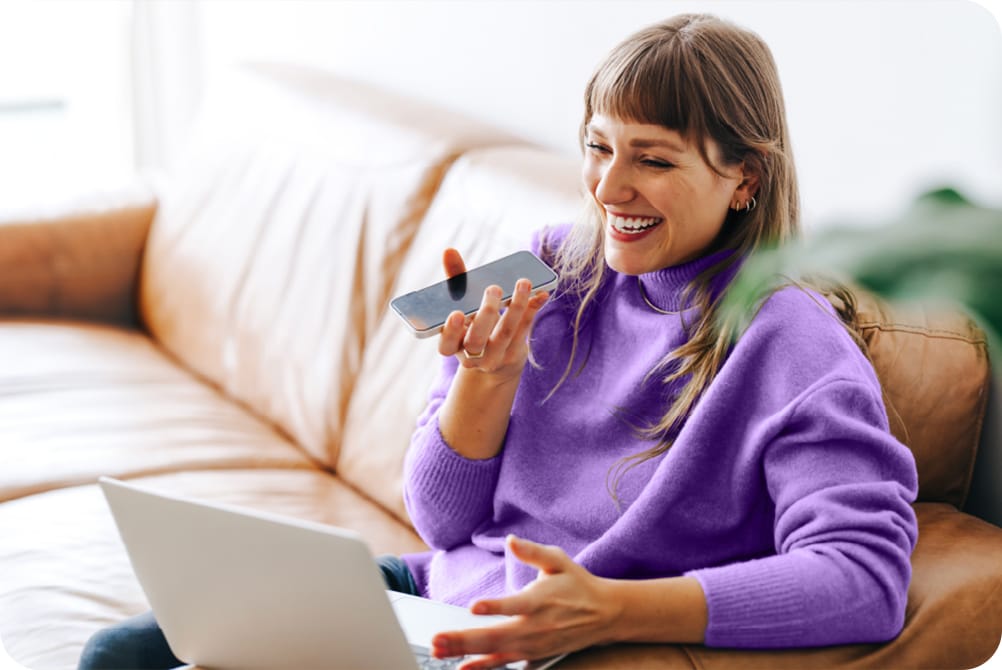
column 706, row 469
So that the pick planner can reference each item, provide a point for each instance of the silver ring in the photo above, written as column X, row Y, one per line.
column 474, row 356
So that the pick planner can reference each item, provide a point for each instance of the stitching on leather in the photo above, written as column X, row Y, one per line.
column 693, row 661
column 921, row 330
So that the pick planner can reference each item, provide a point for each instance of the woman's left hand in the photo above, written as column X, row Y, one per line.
column 564, row 609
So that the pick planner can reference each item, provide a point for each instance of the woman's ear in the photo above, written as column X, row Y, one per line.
column 745, row 190
column 748, row 187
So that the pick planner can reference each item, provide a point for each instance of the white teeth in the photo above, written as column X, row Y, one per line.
column 632, row 226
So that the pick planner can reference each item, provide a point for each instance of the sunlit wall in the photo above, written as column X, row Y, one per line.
column 885, row 98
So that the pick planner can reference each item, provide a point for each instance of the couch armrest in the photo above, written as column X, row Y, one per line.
column 79, row 260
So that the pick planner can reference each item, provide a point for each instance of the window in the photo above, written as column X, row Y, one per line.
column 65, row 107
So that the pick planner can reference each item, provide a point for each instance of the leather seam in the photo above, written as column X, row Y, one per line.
column 693, row 661
column 920, row 330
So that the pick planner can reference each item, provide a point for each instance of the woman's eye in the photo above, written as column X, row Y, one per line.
column 658, row 164
column 597, row 147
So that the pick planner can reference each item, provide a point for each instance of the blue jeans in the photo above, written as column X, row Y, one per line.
column 139, row 644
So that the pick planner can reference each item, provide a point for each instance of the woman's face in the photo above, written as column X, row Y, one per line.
column 662, row 204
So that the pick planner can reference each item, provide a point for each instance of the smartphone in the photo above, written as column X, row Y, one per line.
column 425, row 311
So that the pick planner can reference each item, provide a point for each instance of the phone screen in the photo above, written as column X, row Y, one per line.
column 426, row 310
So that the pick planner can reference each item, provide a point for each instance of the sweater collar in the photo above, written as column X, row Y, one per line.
column 663, row 288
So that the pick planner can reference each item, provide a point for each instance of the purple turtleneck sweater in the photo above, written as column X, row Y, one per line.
column 784, row 494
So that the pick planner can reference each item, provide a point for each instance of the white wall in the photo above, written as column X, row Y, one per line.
column 884, row 98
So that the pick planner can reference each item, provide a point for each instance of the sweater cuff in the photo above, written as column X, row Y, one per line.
column 454, row 485
column 756, row 604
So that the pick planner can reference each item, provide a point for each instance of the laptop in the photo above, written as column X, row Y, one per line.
column 237, row 589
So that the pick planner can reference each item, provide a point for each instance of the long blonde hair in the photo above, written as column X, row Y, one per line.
column 704, row 78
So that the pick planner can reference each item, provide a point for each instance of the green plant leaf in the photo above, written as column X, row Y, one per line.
column 942, row 248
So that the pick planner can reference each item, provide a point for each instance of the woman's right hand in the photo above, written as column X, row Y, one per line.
column 490, row 342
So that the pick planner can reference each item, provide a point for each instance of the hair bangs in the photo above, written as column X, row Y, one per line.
column 649, row 83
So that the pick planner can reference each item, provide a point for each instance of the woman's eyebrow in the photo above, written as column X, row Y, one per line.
column 642, row 143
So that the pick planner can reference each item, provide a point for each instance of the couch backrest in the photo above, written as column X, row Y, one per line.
column 271, row 258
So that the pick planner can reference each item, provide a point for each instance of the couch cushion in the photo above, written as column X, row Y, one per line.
column 489, row 204
column 78, row 401
column 272, row 254
column 933, row 368
column 65, row 573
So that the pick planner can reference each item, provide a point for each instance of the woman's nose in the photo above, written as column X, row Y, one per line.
column 614, row 185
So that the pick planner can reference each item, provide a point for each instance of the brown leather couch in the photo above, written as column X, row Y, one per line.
column 225, row 335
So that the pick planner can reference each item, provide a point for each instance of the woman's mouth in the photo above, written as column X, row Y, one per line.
column 630, row 228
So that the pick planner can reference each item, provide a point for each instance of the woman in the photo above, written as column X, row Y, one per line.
column 605, row 464
column 686, row 490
